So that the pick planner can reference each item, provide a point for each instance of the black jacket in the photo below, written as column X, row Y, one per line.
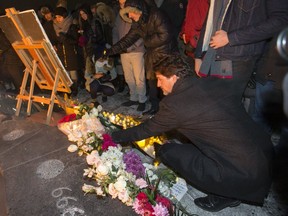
column 228, row 153
column 249, row 24
column 155, row 29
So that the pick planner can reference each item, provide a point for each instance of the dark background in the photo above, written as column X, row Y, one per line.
column 35, row 4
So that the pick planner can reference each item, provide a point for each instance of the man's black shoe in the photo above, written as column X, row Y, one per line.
column 129, row 103
column 150, row 112
column 213, row 203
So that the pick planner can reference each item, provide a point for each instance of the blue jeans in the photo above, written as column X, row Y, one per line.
column 261, row 94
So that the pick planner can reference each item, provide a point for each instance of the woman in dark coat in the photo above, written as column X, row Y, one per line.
column 157, row 32
column 228, row 156
column 63, row 35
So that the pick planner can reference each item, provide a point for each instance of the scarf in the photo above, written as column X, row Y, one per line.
column 63, row 26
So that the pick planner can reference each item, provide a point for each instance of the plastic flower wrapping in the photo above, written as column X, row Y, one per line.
column 115, row 171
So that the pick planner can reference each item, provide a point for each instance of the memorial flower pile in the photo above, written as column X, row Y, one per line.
column 115, row 171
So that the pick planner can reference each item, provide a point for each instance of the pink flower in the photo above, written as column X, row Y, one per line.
column 164, row 201
column 107, row 142
column 160, row 210
column 141, row 183
column 138, row 208
column 142, row 197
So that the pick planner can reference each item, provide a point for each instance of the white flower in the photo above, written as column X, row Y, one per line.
column 93, row 158
column 102, row 169
column 89, row 172
column 120, row 184
column 123, row 196
column 112, row 190
column 88, row 188
column 90, row 140
column 72, row 148
column 99, row 191
column 94, row 112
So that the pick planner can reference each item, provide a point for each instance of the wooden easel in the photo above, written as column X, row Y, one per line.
column 43, row 66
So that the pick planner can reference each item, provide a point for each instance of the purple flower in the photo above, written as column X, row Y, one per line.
column 134, row 164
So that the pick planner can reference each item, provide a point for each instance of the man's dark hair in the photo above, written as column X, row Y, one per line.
column 173, row 64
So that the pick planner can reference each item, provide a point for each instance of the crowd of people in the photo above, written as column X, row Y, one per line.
column 192, row 61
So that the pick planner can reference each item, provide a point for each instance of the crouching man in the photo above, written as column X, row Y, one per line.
column 228, row 156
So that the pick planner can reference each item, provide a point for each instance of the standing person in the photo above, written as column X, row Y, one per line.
column 195, row 16
column 63, row 35
column 268, row 111
column 175, row 10
column 47, row 14
column 232, row 50
column 228, row 156
column 106, row 15
column 235, row 49
column 92, row 33
column 132, row 63
column 154, row 27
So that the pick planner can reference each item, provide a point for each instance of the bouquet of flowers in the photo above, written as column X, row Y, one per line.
column 154, row 190
column 115, row 172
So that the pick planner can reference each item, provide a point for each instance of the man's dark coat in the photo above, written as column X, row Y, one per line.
column 229, row 155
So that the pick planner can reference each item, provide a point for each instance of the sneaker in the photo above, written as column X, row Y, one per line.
column 129, row 103
column 141, row 107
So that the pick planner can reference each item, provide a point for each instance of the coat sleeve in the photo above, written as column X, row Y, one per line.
column 160, row 30
column 128, row 40
column 277, row 13
column 165, row 120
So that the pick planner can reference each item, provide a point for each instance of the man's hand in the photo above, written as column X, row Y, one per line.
column 220, row 39
column 197, row 66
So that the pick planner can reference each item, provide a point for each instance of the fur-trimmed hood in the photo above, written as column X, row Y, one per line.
column 136, row 6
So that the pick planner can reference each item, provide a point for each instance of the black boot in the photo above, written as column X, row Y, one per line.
column 213, row 203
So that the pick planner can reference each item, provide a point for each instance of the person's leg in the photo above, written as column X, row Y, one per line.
column 153, row 97
column 194, row 166
column 139, row 74
column 94, row 88
column 260, row 105
column 129, row 75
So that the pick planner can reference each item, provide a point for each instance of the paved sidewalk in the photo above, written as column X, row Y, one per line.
column 39, row 177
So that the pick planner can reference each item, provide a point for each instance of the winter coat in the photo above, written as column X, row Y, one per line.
column 249, row 24
column 66, row 45
column 229, row 155
column 175, row 10
column 155, row 29
column 120, row 29
column 196, row 13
